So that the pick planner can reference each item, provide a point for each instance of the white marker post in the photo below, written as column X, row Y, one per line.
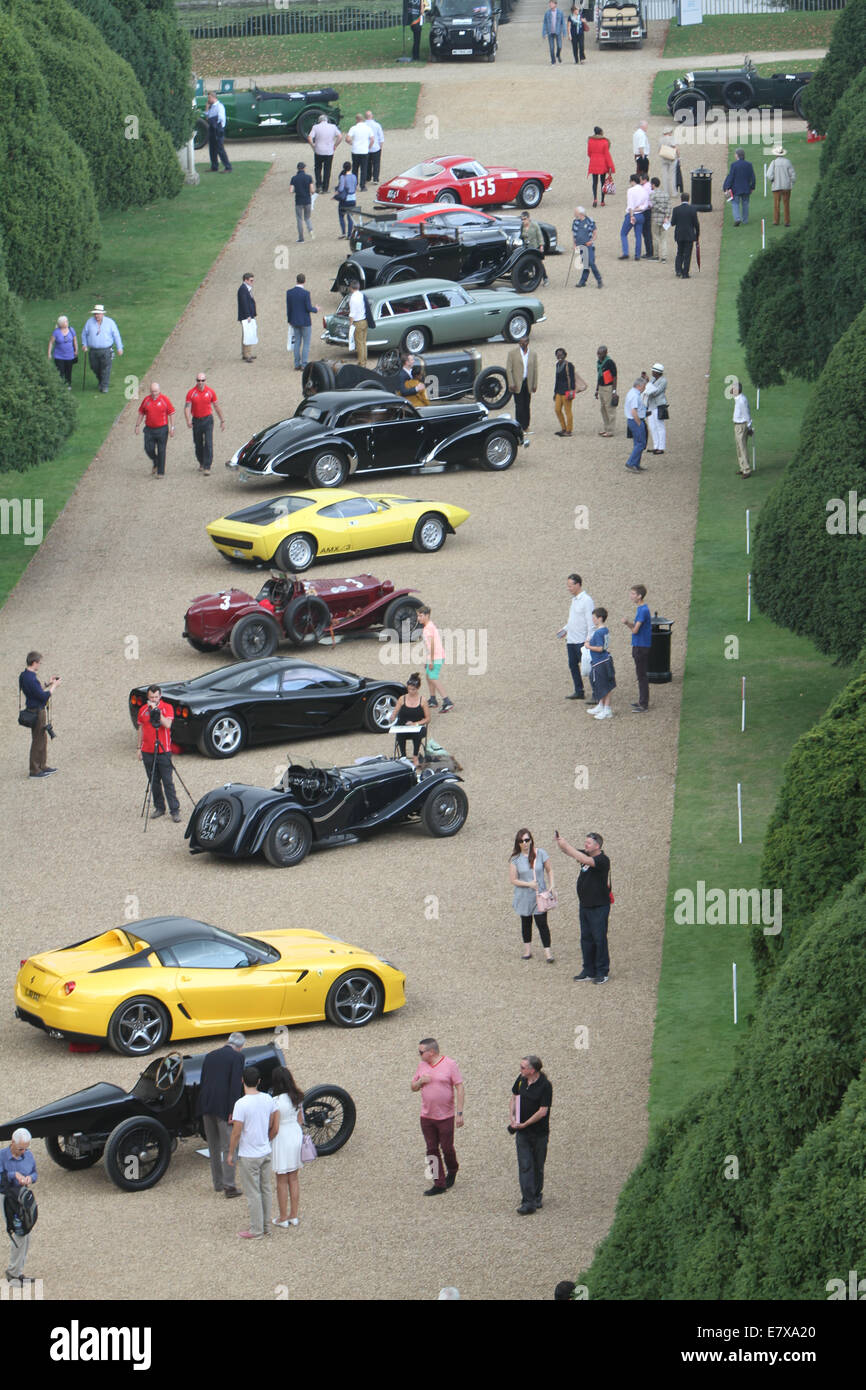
column 734, row 965
column 758, row 399
column 743, row 700
column 748, row 536
column 748, row 598
column 740, row 811
column 754, row 461
column 763, row 235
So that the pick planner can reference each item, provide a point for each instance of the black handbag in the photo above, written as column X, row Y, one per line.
column 27, row 718
column 662, row 412
column 614, row 398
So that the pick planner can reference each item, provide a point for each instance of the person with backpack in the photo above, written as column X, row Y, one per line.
column 17, row 1177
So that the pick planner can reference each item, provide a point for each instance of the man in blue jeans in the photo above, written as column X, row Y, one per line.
column 553, row 29
column 583, row 233
column 593, row 896
column 641, row 629
column 635, row 415
column 636, row 201
column 741, row 182
column 299, row 307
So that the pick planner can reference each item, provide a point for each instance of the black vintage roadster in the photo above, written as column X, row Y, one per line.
column 135, row 1133
column 447, row 374
column 475, row 256
column 317, row 807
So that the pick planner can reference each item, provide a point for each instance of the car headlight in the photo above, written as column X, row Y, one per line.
column 438, row 34
column 690, row 78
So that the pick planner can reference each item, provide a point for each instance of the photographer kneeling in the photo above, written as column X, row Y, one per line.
column 154, row 750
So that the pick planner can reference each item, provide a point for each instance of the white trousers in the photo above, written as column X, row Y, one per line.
column 657, row 428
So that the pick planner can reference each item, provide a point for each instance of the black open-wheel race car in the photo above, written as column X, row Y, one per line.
column 136, row 1132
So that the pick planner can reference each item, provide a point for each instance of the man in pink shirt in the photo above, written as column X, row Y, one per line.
column 440, row 1083
column 435, row 661
column 636, row 200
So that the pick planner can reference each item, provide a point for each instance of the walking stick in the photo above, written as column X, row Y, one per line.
column 570, row 264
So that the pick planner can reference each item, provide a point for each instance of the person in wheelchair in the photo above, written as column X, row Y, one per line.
column 412, row 380
column 411, row 708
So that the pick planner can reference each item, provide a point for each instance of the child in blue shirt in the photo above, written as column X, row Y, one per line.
column 602, row 676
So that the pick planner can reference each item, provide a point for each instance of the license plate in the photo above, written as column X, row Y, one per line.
column 461, row 52
column 238, row 554
column 31, row 994
column 392, row 193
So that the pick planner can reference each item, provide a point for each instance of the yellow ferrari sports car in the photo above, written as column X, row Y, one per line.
column 167, row 978
column 290, row 532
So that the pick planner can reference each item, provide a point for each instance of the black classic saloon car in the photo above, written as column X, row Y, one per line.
column 474, row 256
column 333, row 434
column 463, row 29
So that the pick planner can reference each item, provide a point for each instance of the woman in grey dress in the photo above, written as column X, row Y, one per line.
column 531, row 873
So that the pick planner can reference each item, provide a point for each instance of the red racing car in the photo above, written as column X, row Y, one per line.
column 299, row 610
column 457, row 179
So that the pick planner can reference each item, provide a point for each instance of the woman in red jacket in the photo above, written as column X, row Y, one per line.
column 600, row 162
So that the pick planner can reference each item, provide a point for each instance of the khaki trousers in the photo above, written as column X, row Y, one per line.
column 783, row 196
column 255, row 1176
column 741, row 434
column 608, row 415
column 361, row 341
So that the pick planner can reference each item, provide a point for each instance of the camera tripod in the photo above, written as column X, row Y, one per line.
column 148, row 795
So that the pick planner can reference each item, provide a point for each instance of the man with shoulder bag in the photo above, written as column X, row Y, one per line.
column 34, row 715
column 656, row 402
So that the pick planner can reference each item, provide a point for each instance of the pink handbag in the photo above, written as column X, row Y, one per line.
column 546, row 900
column 309, row 1152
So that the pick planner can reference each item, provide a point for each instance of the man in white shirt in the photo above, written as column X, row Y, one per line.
column 358, row 322
column 255, row 1120
column 324, row 138
column 576, row 631
column 360, row 137
column 742, row 429
column 641, row 149
column 378, row 140
column 636, row 201
column 216, row 128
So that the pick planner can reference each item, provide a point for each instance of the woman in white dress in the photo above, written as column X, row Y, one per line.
column 286, row 1147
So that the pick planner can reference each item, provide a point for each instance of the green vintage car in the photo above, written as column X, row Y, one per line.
column 415, row 314
column 254, row 114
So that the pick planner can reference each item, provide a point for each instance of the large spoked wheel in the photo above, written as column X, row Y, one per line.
column 378, row 712
column 295, row 553
column 491, row 388
column 354, row 1000
column 318, row 376
column 214, row 825
column 344, row 277
column 138, row 1026
column 517, row 327
column 389, row 362
column 416, row 340
column 138, row 1153
column 447, row 196
column 500, row 451
column 329, row 1115
column 288, row 841
column 445, row 810
column 401, row 617
column 738, row 95
column 255, row 635
column 527, row 274
column 530, row 194
column 224, row 735
column 688, row 111
column 64, row 1150
column 199, row 137
column 797, row 104
column 306, row 618
column 430, row 533
column 328, row 469
column 307, row 120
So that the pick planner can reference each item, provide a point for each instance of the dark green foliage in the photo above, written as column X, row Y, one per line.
column 845, row 57
column 771, row 312
column 36, row 412
column 147, row 35
column 806, row 577
column 131, row 157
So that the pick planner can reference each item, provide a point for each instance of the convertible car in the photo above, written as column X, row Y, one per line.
column 270, row 700
column 147, row 983
column 316, row 808
column 291, row 533
column 446, row 375
column 415, row 315
column 455, row 178
column 737, row 89
column 474, row 256
column 254, row 114
column 135, row 1132
column 335, row 434
column 444, row 219
column 301, row 610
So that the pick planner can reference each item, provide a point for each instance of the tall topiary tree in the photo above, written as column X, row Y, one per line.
column 846, row 56
column 771, row 311
column 36, row 414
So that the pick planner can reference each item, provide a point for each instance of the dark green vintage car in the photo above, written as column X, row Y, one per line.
column 253, row 114
column 736, row 89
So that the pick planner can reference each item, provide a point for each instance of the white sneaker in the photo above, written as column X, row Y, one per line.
column 608, row 713
column 602, row 714
column 593, row 709
column 311, row 233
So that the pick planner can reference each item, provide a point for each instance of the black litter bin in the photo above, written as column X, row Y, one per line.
column 659, row 665
column 702, row 190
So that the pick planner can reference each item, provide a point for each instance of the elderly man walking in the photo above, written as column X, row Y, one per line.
column 583, row 234
column 222, row 1083
column 324, row 139
column 17, row 1169
column 99, row 338
column 635, row 414
column 781, row 174
column 740, row 182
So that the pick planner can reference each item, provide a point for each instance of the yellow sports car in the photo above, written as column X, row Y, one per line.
column 290, row 532
column 167, row 978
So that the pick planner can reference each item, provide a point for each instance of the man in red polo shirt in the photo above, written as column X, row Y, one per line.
column 156, row 411
column 154, row 750
column 201, row 401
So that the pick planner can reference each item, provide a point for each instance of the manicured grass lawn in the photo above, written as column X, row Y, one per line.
column 740, row 33
column 152, row 262
column 665, row 80
column 372, row 48
column 788, row 686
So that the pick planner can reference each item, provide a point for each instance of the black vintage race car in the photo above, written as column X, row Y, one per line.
column 447, row 375
column 438, row 217
column 337, row 433
column 271, row 700
column 474, row 256
column 736, row 89
column 317, row 808
column 135, row 1132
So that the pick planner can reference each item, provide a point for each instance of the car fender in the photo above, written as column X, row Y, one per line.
column 693, row 93
column 272, row 806
column 456, row 442
column 302, row 456
column 255, row 803
column 363, row 616
column 409, row 801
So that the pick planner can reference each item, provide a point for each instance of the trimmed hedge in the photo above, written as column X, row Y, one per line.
column 36, row 412
column 48, row 219
column 845, row 57
column 771, row 312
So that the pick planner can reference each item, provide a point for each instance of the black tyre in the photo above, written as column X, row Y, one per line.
column 295, row 554
column 517, row 327
column 354, row 999
column 306, row 618
column 254, row 635
column 445, row 810
column 378, row 713
column 737, row 95
column 223, row 736
column 345, row 275
column 215, row 824
column 138, row 1153
column 447, row 196
column 318, row 376
column 63, row 1148
column 389, row 362
column 401, row 616
column 499, row 451
column 530, row 194
column 329, row 468
column 307, row 120
column 416, row 339
column 395, row 273
column 527, row 274
column 491, row 388
column 688, row 111
column 288, row 841
column 202, row 646
column 329, row 1113
column 797, row 104
column 199, row 135
column 137, row 1026
column 430, row 533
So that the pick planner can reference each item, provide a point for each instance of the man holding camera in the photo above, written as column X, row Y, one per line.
column 154, row 750
column 36, row 697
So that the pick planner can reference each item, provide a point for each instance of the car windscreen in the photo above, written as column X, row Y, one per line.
column 308, row 411
column 460, row 9
column 263, row 513
column 228, row 678
column 424, row 171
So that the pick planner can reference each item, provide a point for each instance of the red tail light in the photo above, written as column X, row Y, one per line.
column 22, row 962
column 69, row 987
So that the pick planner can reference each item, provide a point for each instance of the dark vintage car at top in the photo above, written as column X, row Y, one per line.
column 135, row 1132
column 269, row 701
column 441, row 218
column 317, row 808
column 737, row 89
column 254, row 115
column 298, row 609
column 337, row 433
column 463, row 29
column 446, row 375
column 474, row 256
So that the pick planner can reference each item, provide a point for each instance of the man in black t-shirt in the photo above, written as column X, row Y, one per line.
column 593, row 895
column 531, row 1099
